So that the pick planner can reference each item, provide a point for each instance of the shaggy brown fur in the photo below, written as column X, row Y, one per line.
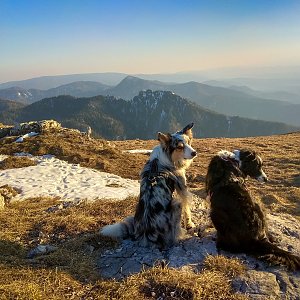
column 239, row 220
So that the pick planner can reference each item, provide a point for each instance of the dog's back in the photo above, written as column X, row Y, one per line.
column 239, row 220
column 158, row 213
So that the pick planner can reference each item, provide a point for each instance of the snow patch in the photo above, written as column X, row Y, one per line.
column 71, row 182
column 141, row 151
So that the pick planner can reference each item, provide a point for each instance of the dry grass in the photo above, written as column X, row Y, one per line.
column 231, row 267
column 74, row 231
column 28, row 222
column 281, row 158
column 167, row 283
column 70, row 272
column 12, row 162
column 155, row 283
column 75, row 148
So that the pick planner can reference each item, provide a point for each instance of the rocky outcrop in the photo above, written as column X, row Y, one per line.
column 27, row 127
column 260, row 281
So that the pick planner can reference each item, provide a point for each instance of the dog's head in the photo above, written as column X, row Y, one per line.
column 178, row 146
column 251, row 165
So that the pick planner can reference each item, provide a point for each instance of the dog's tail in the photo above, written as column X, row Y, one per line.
column 276, row 256
column 122, row 230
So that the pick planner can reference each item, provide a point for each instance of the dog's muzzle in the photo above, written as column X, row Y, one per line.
column 194, row 154
column 189, row 152
column 262, row 178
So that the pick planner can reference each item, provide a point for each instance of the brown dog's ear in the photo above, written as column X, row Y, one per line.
column 163, row 138
column 188, row 130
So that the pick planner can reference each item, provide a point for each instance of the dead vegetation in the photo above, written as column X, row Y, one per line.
column 168, row 283
column 70, row 272
column 12, row 162
column 231, row 267
column 280, row 154
column 75, row 148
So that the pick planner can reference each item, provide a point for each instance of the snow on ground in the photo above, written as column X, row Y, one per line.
column 71, row 182
column 140, row 151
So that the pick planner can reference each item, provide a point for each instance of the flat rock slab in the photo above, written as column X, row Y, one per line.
column 130, row 258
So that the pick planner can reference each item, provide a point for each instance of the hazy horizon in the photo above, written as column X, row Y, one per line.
column 47, row 38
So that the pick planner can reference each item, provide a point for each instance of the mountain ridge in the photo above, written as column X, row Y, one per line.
column 142, row 117
column 232, row 102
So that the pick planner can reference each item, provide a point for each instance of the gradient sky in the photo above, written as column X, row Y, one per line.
column 52, row 37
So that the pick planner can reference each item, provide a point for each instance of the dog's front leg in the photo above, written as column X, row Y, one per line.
column 186, row 199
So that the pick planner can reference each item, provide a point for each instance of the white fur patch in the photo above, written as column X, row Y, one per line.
column 160, row 155
column 224, row 154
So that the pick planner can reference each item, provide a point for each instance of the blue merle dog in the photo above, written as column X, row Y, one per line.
column 164, row 196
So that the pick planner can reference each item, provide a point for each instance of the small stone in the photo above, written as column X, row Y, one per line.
column 41, row 250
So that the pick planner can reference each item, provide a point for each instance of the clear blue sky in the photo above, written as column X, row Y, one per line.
column 50, row 37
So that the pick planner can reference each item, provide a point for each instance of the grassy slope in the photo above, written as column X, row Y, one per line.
column 70, row 273
column 280, row 154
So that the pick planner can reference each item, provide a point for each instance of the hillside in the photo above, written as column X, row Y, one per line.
column 268, row 94
column 6, row 105
column 233, row 101
column 74, row 267
column 76, row 89
column 9, row 110
column 141, row 117
column 279, row 152
column 48, row 82
column 222, row 100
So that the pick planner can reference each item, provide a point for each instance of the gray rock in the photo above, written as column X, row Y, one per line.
column 258, row 285
column 41, row 250
column 289, row 284
column 64, row 205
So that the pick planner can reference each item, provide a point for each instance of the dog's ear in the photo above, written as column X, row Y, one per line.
column 247, row 155
column 164, row 138
column 188, row 130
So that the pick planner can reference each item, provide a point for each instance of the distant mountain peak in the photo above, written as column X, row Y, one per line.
column 153, row 94
column 130, row 77
column 131, row 80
